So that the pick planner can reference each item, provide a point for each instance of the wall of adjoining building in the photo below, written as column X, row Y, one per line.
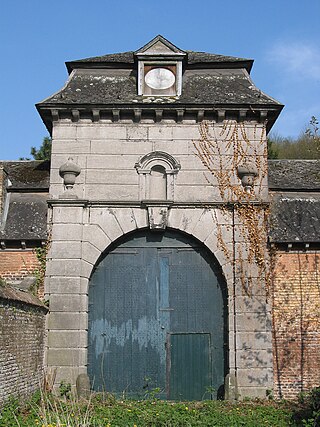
column 22, row 334
column 296, row 322
column 15, row 265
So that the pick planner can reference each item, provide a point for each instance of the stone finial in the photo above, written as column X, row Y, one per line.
column 69, row 171
column 247, row 173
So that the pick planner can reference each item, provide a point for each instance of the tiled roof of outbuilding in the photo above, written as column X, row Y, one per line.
column 295, row 175
column 24, row 174
column 24, row 216
column 295, row 201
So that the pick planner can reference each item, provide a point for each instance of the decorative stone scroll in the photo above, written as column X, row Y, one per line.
column 158, row 217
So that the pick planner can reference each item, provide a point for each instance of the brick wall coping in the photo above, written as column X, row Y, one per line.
column 8, row 293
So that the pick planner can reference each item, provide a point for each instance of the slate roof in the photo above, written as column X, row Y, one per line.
column 192, row 57
column 30, row 174
column 24, row 216
column 118, row 87
column 208, row 79
column 9, row 293
column 295, row 201
column 294, row 175
column 295, row 218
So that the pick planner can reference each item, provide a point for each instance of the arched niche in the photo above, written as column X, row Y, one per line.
column 157, row 171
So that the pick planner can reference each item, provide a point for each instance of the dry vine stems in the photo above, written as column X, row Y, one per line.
column 222, row 154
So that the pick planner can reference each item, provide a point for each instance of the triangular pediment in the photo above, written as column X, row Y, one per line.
column 159, row 46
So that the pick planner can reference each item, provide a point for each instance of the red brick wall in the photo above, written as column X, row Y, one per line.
column 15, row 265
column 296, row 322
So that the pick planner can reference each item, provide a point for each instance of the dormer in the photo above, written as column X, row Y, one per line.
column 159, row 68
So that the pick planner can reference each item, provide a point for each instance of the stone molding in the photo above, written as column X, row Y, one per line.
column 147, row 111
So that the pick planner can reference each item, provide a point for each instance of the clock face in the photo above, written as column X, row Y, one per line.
column 159, row 78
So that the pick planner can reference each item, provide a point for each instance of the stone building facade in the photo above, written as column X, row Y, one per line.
column 161, row 151
column 163, row 140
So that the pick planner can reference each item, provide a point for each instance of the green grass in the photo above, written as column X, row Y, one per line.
column 106, row 411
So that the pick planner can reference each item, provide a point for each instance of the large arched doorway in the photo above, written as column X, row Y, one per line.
column 158, row 319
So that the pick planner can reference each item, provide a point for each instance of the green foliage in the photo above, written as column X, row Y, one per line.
column 105, row 411
column 39, row 272
column 306, row 146
column 65, row 389
column 313, row 129
column 44, row 152
column 272, row 150
column 307, row 412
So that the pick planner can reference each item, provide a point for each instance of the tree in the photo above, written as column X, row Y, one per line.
column 306, row 146
column 313, row 133
column 44, row 152
column 272, row 150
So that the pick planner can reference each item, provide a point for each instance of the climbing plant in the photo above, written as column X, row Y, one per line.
column 222, row 150
column 39, row 273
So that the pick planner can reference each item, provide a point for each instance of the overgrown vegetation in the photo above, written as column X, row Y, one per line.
column 40, row 271
column 104, row 410
column 306, row 146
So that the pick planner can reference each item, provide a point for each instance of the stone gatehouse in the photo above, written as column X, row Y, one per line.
column 158, row 271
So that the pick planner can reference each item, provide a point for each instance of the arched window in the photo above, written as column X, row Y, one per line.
column 157, row 172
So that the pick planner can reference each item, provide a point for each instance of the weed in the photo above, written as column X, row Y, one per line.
column 65, row 389
column 46, row 410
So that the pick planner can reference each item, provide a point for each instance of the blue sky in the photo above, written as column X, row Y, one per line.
column 38, row 36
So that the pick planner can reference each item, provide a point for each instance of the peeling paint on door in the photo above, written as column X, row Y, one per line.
column 149, row 286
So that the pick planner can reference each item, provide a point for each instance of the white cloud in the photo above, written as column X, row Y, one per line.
column 297, row 58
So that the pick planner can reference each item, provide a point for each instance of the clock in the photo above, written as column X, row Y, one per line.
column 160, row 78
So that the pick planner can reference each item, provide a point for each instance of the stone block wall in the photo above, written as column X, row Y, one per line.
column 296, row 322
column 15, row 265
column 22, row 334
column 107, row 154
column 112, row 202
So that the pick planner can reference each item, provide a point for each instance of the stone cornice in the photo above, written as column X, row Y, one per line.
column 144, row 203
column 157, row 110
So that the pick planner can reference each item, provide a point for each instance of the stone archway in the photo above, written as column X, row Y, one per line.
column 158, row 318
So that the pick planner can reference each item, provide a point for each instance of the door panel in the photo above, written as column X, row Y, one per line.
column 149, row 287
column 189, row 367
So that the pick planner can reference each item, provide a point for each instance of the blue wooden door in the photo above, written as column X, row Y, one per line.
column 151, row 297
column 189, row 369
